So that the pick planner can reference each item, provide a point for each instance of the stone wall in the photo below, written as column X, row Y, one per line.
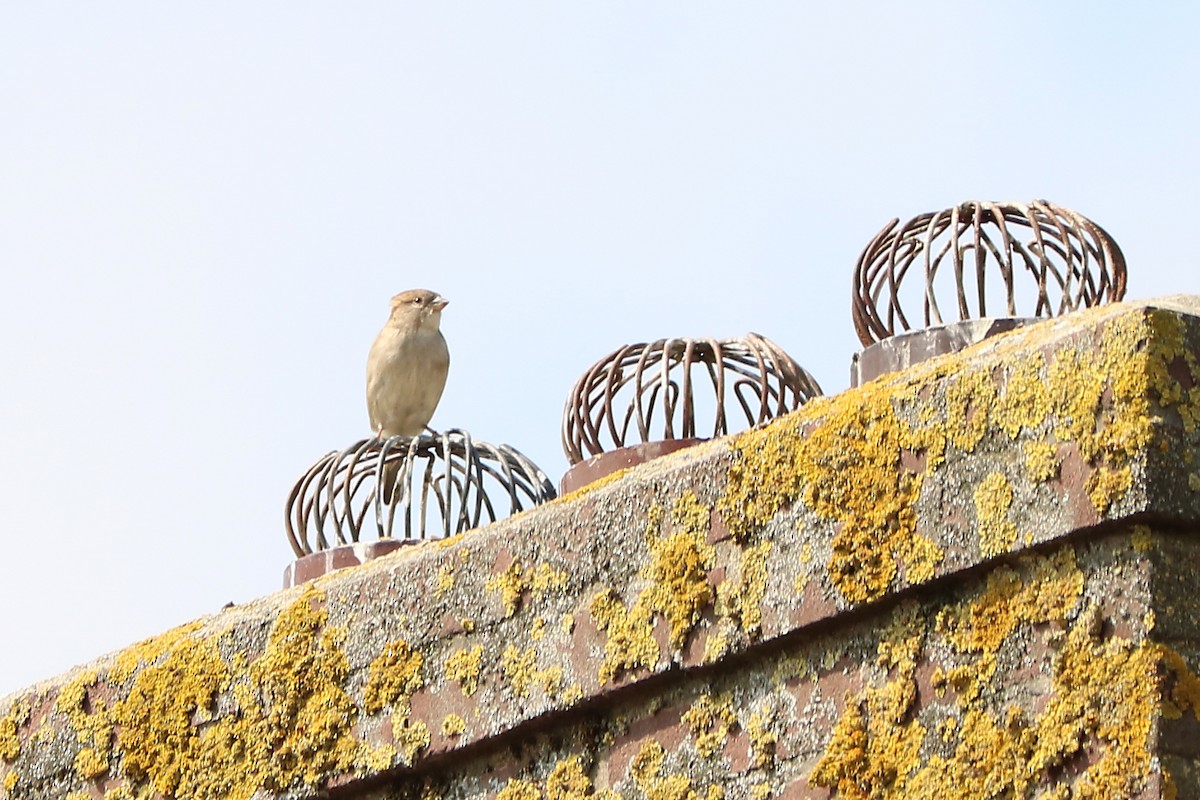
column 975, row 578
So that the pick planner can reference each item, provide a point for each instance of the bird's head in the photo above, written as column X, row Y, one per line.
column 419, row 308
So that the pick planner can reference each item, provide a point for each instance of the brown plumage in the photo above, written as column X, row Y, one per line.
column 406, row 369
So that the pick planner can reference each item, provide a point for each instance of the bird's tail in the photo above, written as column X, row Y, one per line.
column 387, row 480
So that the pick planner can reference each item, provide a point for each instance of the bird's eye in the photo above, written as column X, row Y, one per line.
column 416, row 301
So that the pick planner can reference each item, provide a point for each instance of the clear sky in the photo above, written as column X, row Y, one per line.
column 204, row 208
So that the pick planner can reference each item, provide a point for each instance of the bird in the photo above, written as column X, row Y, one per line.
column 406, row 369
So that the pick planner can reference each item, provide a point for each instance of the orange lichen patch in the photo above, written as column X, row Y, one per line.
column 392, row 678
column 842, row 456
column 453, row 725
column 710, row 719
column 742, row 599
column 92, row 725
column 679, row 590
column 148, row 651
column 1105, row 694
column 847, row 469
column 588, row 488
column 647, row 770
column 10, row 724
column 292, row 722
column 1041, row 461
column 567, row 781
column 1047, row 588
column 1024, row 398
column 464, row 666
column 762, row 739
column 521, row 672
column 993, row 498
column 989, row 761
column 1184, row 693
column 875, row 745
column 970, row 401
column 513, row 582
column 411, row 736
column 1106, row 485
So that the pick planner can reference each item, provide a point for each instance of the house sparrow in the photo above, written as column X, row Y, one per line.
column 406, row 369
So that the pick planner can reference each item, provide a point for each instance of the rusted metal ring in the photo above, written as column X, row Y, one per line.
column 648, row 391
column 1073, row 263
column 448, row 478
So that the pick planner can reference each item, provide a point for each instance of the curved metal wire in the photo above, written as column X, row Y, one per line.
column 1072, row 262
column 438, row 486
column 644, row 392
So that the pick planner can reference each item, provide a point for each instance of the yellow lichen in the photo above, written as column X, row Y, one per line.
column 970, row 399
column 91, row 763
column 875, row 743
column 453, row 725
column 1024, row 399
column 521, row 672
column 568, row 780
column 148, row 651
column 292, row 721
column 1107, row 485
column 514, row 581
column 378, row 757
column 762, row 739
column 392, row 678
column 464, row 666
column 10, row 780
column 716, row 645
column 742, row 599
column 1041, row 461
column 1142, row 538
column 710, row 720
column 1103, row 698
column 847, row 469
column 842, row 456
column 445, row 580
column 647, row 771
column 1045, row 590
column 519, row 669
column 760, row 791
column 537, row 631
column 92, row 724
column 1185, row 691
column 588, row 488
column 679, row 590
column 411, row 737
column 517, row 789
column 997, row 533
column 10, row 723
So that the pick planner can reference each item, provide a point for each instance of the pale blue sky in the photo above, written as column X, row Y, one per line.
column 204, row 209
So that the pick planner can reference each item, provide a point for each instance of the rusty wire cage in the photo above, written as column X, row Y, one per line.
column 647, row 392
column 410, row 488
column 995, row 259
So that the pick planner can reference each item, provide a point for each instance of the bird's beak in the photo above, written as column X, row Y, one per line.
column 440, row 303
